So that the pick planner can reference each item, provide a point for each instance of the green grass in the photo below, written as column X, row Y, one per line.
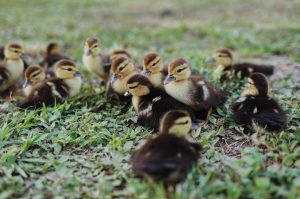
column 80, row 149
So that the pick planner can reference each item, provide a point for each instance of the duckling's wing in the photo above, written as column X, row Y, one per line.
column 245, row 69
column 243, row 109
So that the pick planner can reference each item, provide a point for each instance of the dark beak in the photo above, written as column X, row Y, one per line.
column 88, row 52
column 114, row 78
column 211, row 60
column 78, row 74
column 24, row 56
column 169, row 79
column 27, row 83
column 127, row 94
column 146, row 72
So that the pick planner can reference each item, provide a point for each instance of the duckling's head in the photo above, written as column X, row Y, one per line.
column 14, row 51
column 33, row 75
column 121, row 67
column 139, row 85
column 153, row 63
column 92, row 47
column 257, row 85
column 177, row 122
column 53, row 48
column 178, row 70
column 119, row 53
column 66, row 69
column 222, row 57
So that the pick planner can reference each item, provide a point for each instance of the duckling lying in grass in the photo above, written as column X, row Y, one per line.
column 152, row 103
column 53, row 55
column 12, row 68
column 34, row 75
column 192, row 90
column 169, row 156
column 66, row 84
column 154, row 69
column 256, row 109
column 226, row 68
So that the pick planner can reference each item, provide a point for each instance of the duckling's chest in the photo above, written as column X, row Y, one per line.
column 157, row 79
column 27, row 90
column 16, row 68
column 180, row 91
column 218, row 72
column 74, row 85
column 93, row 63
column 135, row 103
column 119, row 85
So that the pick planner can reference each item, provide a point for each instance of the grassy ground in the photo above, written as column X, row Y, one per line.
column 80, row 149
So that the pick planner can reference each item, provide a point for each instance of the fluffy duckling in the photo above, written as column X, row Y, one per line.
column 151, row 103
column 93, row 60
column 226, row 68
column 154, row 69
column 12, row 68
column 169, row 156
column 119, row 53
column 256, row 109
column 66, row 84
column 34, row 75
column 191, row 90
column 53, row 55
column 122, row 69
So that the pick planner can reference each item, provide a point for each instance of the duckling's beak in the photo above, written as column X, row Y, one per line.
column 24, row 56
column 127, row 94
column 89, row 52
column 114, row 78
column 78, row 74
column 146, row 72
column 169, row 79
column 211, row 60
column 27, row 83
column 194, row 126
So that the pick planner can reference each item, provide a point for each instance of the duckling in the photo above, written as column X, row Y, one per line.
column 192, row 90
column 93, row 60
column 12, row 68
column 151, row 103
column 169, row 156
column 154, row 69
column 24, row 56
column 122, row 69
column 53, row 55
column 34, row 75
column 256, row 109
column 225, row 69
column 55, row 90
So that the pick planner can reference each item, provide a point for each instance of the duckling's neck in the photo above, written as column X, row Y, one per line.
column 94, row 64
column 15, row 67
column 157, row 79
column 135, row 102
column 74, row 85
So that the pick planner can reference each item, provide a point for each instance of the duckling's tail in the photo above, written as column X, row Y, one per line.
column 265, row 69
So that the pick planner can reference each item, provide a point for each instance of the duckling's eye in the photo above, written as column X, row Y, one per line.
column 153, row 64
column 121, row 68
column 95, row 46
column 179, row 70
column 15, row 51
column 69, row 69
column 34, row 75
column 183, row 123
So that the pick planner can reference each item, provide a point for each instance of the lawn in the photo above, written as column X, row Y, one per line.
column 80, row 149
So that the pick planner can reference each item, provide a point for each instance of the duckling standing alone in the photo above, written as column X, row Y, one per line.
column 154, row 69
column 34, row 75
column 256, row 109
column 191, row 90
column 225, row 68
column 151, row 103
column 12, row 68
column 122, row 69
column 53, row 55
column 55, row 90
column 93, row 60
column 169, row 156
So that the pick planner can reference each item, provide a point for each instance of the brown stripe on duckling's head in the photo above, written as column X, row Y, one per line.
column 139, row 85
column 15, row 46
column 176, row 63
column 149, row 57
column 32, row 70
column 119, row 53
column 91, row 41
column 118, row 62
column 225, row 52
column 53, row 48
column 177, row 122
column 259, row 81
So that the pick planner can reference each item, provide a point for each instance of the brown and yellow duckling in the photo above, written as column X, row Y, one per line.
column 255, row 109
column 55, row 90
column 94, row 60
column 122, row 69
column 152, row 103
column 12, row 68
column 34, row 75
column 154, row 69
column 53, row 55
column 192, row 90
column 169, row 156
column 226, row 68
